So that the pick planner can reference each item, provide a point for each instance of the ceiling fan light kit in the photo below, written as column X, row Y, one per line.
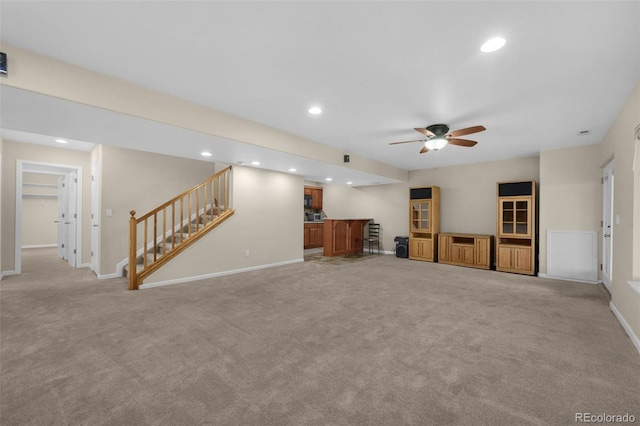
column 438, row 136
column 435, row 144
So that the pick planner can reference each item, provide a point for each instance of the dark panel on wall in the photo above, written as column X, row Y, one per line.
column 420, row 193
column 515, row 188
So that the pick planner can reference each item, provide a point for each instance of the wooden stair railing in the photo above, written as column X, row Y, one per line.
column 173, row 226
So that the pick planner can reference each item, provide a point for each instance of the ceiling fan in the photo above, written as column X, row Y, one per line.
column 439, row 136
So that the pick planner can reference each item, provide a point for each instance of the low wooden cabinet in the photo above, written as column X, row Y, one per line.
column 313, row 235
column 343, row 236
column 473, row 250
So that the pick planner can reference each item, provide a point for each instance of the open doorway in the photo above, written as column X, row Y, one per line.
column 68, row 194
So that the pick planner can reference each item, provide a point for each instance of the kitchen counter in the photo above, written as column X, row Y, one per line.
column 343, row 236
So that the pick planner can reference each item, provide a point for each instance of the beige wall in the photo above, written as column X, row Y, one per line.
column 619, row 143
column 267, row 222
column 467, row 197
column 140, row 181
column 570, row 194
column 39, row 213
column 468, row 192
column 13, row 151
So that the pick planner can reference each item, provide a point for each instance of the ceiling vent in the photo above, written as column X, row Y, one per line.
column 584, row 132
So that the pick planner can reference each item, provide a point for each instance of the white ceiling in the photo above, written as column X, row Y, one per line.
column 378, row 69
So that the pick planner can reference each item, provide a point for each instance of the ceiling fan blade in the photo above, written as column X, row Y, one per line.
column 425, row 132
column 416, row 140
column 424, row 149
column 462, row 142
column 467, row 131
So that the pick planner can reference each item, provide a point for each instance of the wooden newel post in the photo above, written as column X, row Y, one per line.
column 133, row 234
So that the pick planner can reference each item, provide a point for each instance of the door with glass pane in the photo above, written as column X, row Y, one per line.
column 514, row 217
column 420, row 210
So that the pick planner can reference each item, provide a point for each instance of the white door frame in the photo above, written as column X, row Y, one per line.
column 607, row 223
column 95, row 218
column 27, row 166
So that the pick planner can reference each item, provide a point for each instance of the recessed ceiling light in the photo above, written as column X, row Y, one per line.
column 349, row 183
column 206, row 154
column 292, row 169
column 328, row 179
column 255, row 163
column 315, row 110
column 61, row 141
column 493, row 44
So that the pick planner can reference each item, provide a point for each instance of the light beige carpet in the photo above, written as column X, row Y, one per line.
column 378, row 341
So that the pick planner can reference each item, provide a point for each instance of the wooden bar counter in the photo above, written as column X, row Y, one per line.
column 343, row 236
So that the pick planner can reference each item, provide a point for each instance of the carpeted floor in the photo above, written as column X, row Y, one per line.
column 377, row 341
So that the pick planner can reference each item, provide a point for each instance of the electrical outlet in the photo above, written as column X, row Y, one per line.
column 246, row 253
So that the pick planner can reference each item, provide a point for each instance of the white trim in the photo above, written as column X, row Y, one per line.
column 109, row 276
column 84, row 265
column 8, row 273
column 29, row 166
column 568, row 279
column 635, row 286
column 40, row 246
column 626, row 326
column 219, row 274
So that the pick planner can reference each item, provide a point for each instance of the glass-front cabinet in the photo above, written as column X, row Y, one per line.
column 515, row 217
column 424, row 220
column 420, row 211
column 516, row 229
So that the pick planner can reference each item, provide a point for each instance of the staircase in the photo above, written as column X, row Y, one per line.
column 161, row 234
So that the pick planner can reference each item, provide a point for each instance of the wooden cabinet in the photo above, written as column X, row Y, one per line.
column 424, row 222
column 516, row 227
column 343, row 236
column 473, row 250
column 316, row 196
column 313, row 235
column 514, row 259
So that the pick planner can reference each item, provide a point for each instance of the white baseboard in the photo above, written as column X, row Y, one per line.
column 626, row 326
column 218, row 274
column 39, row 246
column 108, row 276
column 85, row 265
column 568, row 279
column 7, row 273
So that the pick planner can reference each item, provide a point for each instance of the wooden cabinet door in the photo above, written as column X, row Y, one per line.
column 320, row 235
column 522, row 259
column 482, row 252
column 444, row 248
column 505, row 257
column 341, row 240
column 415, row 248
column 313, row 235
column 316, row 198
column 306, row 237
column 514, row 217
column 420, row 211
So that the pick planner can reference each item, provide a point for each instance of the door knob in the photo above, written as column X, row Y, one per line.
column 607, row 235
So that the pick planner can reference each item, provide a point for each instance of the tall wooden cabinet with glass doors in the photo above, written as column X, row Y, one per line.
column 424, row 223
column 516, row 227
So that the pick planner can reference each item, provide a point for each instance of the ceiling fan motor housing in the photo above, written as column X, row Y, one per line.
column 438, row 129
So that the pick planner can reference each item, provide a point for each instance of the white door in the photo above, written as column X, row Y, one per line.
column 60, row 219
column 607, row 224
column 95, row 217
column 70, row 222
